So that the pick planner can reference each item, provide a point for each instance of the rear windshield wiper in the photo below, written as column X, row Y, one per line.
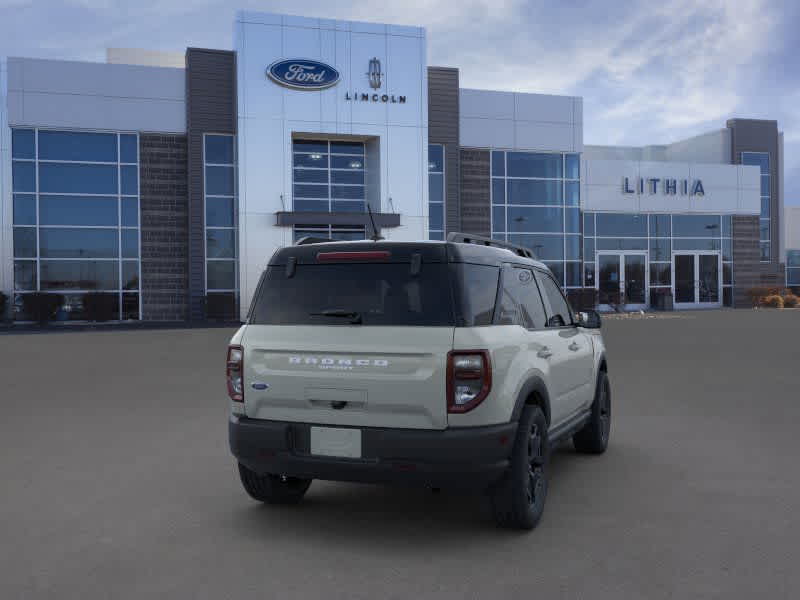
column 355, row 317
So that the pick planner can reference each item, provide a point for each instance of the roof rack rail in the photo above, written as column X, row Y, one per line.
column 468, row 238
column 310, row 239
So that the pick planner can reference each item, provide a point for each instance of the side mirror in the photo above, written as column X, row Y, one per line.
column 589, row 319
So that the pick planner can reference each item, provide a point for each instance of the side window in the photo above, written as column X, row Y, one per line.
column 559, row 314
column 477, row 291
column 520, row 302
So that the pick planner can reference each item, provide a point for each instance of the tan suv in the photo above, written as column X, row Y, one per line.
column 445, row 364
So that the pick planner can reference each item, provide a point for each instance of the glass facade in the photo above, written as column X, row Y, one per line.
column 793, row 268
column 660, row 235
column 761, row 160
column 436, row 192
column 536, row 204
column 333, row 232
column 221, row 222
column 76, row 219
column 328, row 176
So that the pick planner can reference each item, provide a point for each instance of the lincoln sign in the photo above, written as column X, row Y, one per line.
column 667, row 186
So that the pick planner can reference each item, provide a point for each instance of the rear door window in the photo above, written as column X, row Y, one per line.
column 476, row 287
column 348, row 293
column 520, row 301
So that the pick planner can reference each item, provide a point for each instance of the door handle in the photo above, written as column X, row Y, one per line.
column 574, row 347
column 544, row 352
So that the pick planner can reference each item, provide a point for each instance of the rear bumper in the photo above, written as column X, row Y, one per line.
column 468, row 457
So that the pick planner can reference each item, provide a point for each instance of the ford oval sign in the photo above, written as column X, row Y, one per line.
column 303, row 74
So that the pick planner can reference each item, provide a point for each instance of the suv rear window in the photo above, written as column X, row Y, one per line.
column 379, row 294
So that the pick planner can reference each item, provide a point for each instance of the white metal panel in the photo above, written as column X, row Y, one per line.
column 405, row 30
column 542, row 107
column 261, row 158
column 262, row 18
column 486, row 133
column 370, row 28
column 301, row 105
column 329, row 98
column 260, row 97
column 546, row 136
column 364, row 47
column 404, row 77
column 486, row 104
column 406, row 190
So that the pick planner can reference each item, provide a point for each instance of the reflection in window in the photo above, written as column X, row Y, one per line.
column 761, row 160
column 222, row 280
column 328, row 176
column 436, row 191
column 76, row 228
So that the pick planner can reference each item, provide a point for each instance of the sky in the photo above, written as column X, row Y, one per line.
column 649, row 72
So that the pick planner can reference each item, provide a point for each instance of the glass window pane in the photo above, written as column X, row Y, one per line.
column 695, row 244
column 793, row 277
column 79, row 275
column 128, row 148
column 347, row 192
column 557, row 268
column 130, row 307
column 765, row 207
column 77, row 179
column 572, row 220
column 539, row 220
column 727, row 226
column 558, row 304
column 572, row 246
column 531, row 164
column 498, row 191
column 129, row 180
column 23, row 143
column 763, row 229
column 727, row 297
column 77, row 145
column 727, row 273
column 358, row 177
column 311, row 175
column 498, row 163
column 23, row 176
column 624, row 225
column 220, row 243
column 588, row 249
column 436, row 187
column 621, row 243
column 660, row 249
column 338, row 162
column 661, row 274
column 765, row 251
column 588, row 274
column 765, row 185
column 25, row 242
column 337, row 234
column 130, row 243
column 348, row 206
column 219, row 212
column 759, row 159
column 24, row 209
column 520, row 301
column 793, row 258
column 310, row 191
column 219, row 149
column 78, row 243
column 77, row 210
column 498, row 218
column 219, row 181
column 436, row 216
column 221, row 274
column 573, row 274
column 436, row 235
column 573, row 166
column 315, row 161
column 660, row 226
column 572, row 189
column 727, row 249
column 435, row 158
column 347, row 148
column 527, row 191
column 311, row 205
column 588, row 224
column 544, row 247
column 130, row 212
column 310, row 146
column 130, row 274
column 25, row 275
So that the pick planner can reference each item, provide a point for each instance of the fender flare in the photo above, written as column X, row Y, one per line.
column 534, row 384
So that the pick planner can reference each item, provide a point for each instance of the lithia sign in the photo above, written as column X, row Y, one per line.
column 306, row 74
column 667, row 186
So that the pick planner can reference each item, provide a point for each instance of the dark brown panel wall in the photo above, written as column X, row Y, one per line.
column 476, row 205
column 164, row 226
column 210, row 108
column 746, row 253
column 443, row 129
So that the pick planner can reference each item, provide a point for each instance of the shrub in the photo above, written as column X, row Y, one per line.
column 3, row 306
column 773, row 301
column 99, row 306
column 790, row 301
column 41, row 306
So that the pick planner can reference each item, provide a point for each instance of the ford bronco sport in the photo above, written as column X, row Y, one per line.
column 455, row 363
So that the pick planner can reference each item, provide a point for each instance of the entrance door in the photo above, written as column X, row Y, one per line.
column 697, row 279
column 622, row 280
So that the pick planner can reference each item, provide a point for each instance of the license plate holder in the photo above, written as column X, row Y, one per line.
column 336, row 442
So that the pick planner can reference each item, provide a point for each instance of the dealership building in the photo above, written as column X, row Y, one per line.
column 168, row 180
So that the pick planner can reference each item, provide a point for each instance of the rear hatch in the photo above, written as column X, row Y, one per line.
column 343, row 339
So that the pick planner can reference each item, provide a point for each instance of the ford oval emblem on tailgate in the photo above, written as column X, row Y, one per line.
column 257, row 385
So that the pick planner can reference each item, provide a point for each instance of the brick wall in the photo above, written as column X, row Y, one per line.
column 443, row 128
column 165, row 227
column 476, row 216
column 746, row 253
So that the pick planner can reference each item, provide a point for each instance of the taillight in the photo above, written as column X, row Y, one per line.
column 469, row 379
column 234, row 373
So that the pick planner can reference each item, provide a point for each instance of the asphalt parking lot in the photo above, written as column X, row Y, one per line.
column 117, row 482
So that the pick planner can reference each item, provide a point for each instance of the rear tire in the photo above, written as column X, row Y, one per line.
column 273, row 489
column 518, row 501
column 593, row 438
